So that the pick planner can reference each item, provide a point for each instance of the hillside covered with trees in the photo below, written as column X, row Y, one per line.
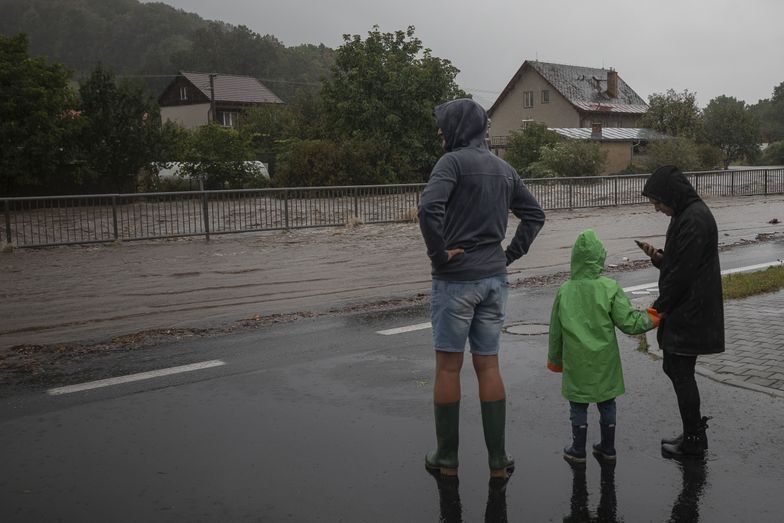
column 154, row 39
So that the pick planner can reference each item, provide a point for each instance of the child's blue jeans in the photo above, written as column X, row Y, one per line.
column 578, row 412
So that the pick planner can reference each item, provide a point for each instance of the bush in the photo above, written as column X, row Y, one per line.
column 572, row 158
column 774, row 154
column 313, row 163
column 676, row 151
column 709, row 156
column 524, row 148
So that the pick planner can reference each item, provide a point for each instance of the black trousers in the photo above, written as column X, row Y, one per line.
column 680, row 370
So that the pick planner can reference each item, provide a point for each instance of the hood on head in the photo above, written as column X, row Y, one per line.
column 463, row 123
column 588, row 255
column 669, row 185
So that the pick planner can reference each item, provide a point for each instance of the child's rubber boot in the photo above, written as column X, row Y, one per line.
column 605, row 450
column 576, row 453
column 444, row 459
column 494, row 425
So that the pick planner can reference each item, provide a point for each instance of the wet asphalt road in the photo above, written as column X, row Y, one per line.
column 326, row 420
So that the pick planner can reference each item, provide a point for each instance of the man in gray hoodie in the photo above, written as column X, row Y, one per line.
column 463, row 215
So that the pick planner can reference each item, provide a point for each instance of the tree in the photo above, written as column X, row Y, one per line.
column 676, row 151
column 37, row 119
column 774, row 154
column 570, row 159
column 121, row 132
column 263, row 128
column 221, row 157
column 770, row 113
column 673, row 113
column 384, row 89
column 525, row 145
column 728, row 125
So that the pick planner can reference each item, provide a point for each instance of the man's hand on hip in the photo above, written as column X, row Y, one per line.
column 451, row 253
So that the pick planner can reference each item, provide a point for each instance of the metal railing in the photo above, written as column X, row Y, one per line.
column 63, row 220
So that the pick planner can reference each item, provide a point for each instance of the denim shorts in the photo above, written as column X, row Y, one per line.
column 469, row 310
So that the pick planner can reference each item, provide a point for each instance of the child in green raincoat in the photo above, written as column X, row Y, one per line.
column 583, row 345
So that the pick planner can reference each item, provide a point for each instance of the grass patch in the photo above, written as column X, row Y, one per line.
column 743, row 284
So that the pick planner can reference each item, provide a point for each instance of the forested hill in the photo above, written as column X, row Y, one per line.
column 131, row 37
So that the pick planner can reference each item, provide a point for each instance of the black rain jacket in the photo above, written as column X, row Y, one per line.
column 690, row 294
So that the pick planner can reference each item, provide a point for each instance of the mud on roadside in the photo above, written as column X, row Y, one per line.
column 36, row 366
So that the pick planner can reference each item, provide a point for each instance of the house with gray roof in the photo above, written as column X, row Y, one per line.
column 563, row 96
column 194, row 99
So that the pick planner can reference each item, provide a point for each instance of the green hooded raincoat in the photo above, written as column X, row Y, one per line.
column 586, row 311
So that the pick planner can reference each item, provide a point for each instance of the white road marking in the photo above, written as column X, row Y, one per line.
column 134, row 377
column 409, row 328
column 634, row 289
column 753, row 267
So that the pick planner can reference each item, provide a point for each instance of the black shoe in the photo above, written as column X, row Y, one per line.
column 692, row 446
column 678, row 440
column 672, row 441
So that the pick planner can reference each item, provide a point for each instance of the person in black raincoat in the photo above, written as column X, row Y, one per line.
column 690, row 298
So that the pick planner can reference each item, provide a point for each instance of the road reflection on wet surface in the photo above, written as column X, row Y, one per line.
column 685, row 509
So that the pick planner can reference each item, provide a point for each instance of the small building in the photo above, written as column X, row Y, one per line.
column 194, row 99
column 621, row 144
column 563, row 96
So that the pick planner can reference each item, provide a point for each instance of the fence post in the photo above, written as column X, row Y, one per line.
column 205, row 214
column 286, row 208
column 570, row 192
column 114, row 216
column 732, row 183
column 356, row 202
column 615, row 189
column 7, row 222
column 766, row 182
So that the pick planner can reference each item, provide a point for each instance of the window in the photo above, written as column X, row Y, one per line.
column 526, row 124
column 528, row 98
column 183, row 93
column 227, row 118
column 545, row 96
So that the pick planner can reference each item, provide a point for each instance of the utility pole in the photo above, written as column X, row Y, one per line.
column 212, row 97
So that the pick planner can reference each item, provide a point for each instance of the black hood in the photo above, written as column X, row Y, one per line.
column 463, row 123
column 669, row 186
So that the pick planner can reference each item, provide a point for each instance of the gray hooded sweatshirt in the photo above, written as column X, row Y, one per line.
column 467, row 200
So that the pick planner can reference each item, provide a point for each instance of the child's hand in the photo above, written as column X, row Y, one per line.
column 553, row 367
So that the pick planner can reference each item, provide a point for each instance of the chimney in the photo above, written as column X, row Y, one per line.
column 596, row 130
column 612, row 83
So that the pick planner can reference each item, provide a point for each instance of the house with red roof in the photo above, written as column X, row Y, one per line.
column 563, row 96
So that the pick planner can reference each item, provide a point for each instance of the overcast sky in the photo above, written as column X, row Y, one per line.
column 711, row 47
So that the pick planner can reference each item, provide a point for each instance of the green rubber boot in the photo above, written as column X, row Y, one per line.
column 494, row 424
column 444, row 458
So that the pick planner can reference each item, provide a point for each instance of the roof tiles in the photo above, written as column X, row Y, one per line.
column 233, row 88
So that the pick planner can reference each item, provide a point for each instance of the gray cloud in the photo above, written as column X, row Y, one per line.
column 711, row 47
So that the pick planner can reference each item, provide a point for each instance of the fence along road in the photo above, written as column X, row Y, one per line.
column 82, row 219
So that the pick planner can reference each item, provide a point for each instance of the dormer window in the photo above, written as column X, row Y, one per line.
column 183, row 93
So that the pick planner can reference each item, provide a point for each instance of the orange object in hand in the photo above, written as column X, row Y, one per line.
column 655, row 316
